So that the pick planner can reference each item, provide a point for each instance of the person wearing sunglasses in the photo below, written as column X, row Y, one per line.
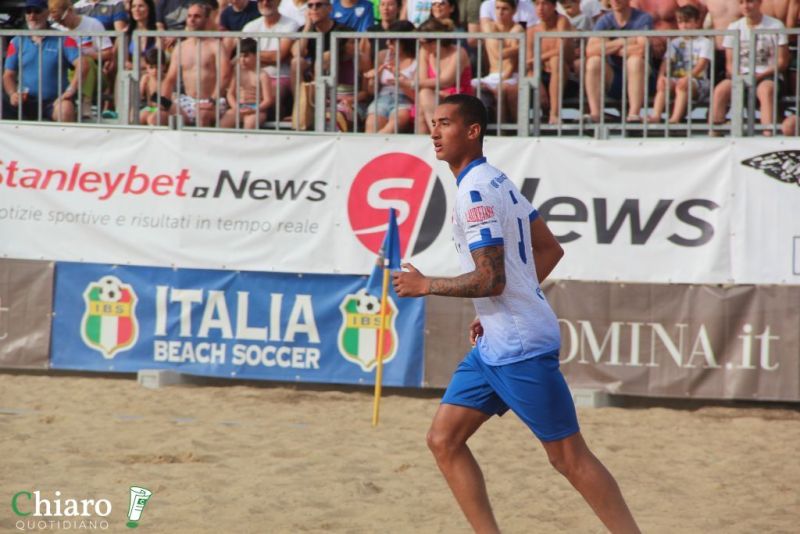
column 32, row 88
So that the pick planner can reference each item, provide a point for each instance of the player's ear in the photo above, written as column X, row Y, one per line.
column 474, row 131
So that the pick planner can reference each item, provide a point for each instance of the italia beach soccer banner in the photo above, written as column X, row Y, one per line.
column 288, row 327
column 656, row 212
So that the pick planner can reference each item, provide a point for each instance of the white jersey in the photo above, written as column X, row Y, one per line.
column 519, row 323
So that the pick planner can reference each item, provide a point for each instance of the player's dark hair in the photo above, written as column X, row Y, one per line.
column 471, row 109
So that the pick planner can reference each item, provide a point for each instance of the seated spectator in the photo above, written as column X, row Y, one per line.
column 111, row 13
column 553, row 79
column 445, row 9
column 450, row 72
column 154, row 61
column 22, row 98
column 681, row 53
column 353, row 65
column 304, row 50
column 525, row 14
column 296, row 10
column 242, row 91
column 275, row 53
column 771, row 54
column 201, row 88
column 357, row 14
column 579, row 19
column 416, row 11
column 238, row 13
column 389, row 13
column 143, row 17
column 617, row 58
column 503, row 59
column 391, row 110
column 96, row 49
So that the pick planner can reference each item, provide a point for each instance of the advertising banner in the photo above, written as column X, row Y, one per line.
column 26, row 303
column 661, row 211
column 740, row 342
column 268, row 326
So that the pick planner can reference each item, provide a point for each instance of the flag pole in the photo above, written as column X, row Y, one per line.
column 381, row 331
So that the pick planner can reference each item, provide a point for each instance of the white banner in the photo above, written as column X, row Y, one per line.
column 628, row 210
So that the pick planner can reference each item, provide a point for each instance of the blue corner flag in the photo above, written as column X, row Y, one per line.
column 388, row 256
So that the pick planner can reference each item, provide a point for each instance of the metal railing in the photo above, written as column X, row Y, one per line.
column 571, row 109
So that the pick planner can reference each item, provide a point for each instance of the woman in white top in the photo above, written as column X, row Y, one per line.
column 391, row 109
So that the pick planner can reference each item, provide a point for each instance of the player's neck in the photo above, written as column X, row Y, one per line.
column 457, row 167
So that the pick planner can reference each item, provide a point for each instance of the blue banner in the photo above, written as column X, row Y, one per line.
column 270, row 326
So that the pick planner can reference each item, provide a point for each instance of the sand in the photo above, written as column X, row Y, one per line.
column 287, row 459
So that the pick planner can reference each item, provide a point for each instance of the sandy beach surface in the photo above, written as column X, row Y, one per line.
column 286, row 459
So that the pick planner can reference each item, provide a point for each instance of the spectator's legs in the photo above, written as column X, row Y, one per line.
column 764, row 93
column 63, row 111
column 511, row 97
column 298, row 67
column 636, row 68
column 682, row 97
column 374, row 123
column 659, row 101
column 425, row 109
column 228, row 120
column 789, row 125
column 553, row 92
column 403, row 122
column 594, row 94
column 721, row 99
column 251, row 121
column 206, row 116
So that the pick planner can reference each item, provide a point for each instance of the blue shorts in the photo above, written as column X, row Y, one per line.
column 534, row 389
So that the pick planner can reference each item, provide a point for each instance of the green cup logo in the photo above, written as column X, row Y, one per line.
column 139, row 497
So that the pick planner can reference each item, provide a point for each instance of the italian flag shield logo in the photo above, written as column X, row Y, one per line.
column 358, row 335
column 109, row 320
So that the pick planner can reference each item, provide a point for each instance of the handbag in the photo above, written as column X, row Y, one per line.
column 303, row 108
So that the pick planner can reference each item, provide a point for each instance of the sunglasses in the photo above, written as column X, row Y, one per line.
column 33, row 10
column 317, row 5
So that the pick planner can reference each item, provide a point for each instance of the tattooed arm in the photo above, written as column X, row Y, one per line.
column 487, row 280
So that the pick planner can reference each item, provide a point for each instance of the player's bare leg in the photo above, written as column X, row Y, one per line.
column 573, row 459
column 447, row 438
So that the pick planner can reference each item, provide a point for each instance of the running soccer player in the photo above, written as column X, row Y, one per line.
column 506, row 250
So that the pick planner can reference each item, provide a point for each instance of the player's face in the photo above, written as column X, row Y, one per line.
column 449, row 133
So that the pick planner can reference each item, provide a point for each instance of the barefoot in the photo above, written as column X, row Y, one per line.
column 652, row 119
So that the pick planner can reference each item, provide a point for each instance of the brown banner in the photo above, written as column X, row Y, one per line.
column 26, row 304
column 739, row 342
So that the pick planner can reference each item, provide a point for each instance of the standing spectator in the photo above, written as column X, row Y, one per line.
column 238, row 13
column 442, row 71
column 201, row 88
column 622, row 17
column 357, row 14
column 771, row 54
column 295, row 10
column 389, row 13
column 395, row 77
column 553, row 78
column 681, row 53
column 143, row 17
column 275, row 52
column 27, row 58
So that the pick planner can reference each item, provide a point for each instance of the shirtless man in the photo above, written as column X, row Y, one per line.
column 201, row 91
column 551, row 76
column 720, row 15
column 503, row 60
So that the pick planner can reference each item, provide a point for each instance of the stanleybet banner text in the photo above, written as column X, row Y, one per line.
column 246, row 325
column 654, row 211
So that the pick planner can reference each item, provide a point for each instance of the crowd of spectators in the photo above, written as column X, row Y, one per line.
column 392, row 85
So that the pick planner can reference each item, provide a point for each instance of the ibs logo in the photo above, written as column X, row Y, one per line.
column 407, row 184
column 358, row 335
column 109, row 321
